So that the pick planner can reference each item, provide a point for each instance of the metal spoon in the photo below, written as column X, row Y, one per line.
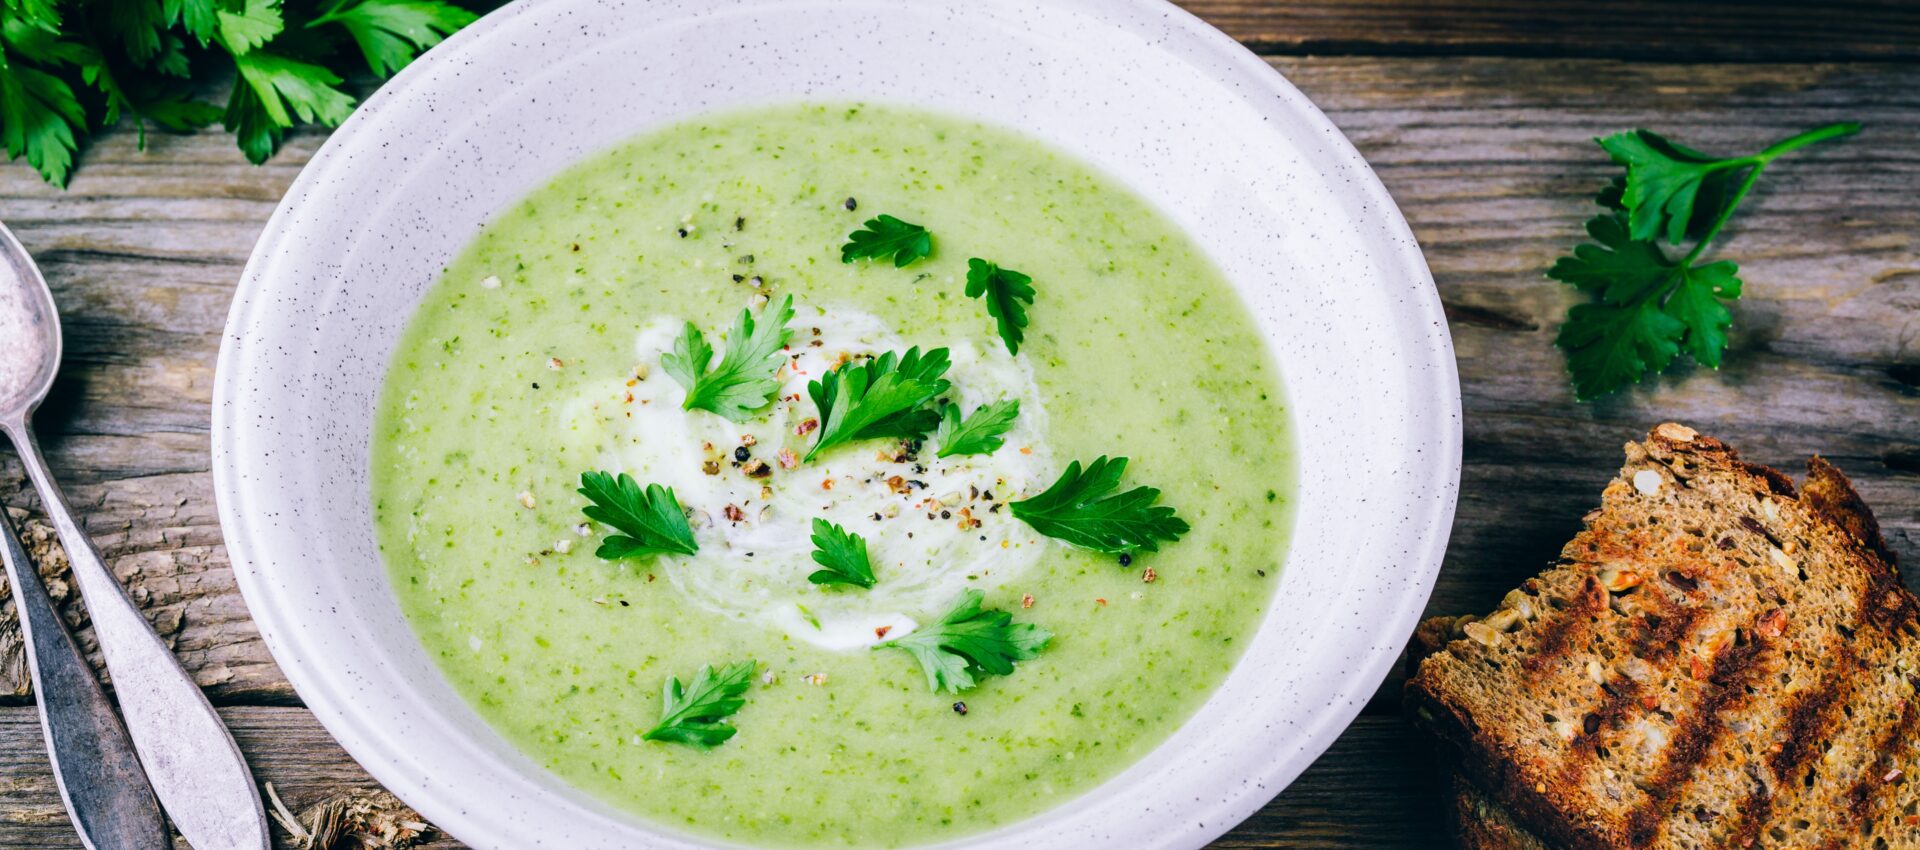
column 191, row 761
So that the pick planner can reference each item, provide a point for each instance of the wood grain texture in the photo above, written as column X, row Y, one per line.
column 1730, row 30
column 290, row 750
column 1491, row 160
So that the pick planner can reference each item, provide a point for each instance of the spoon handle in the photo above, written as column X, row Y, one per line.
column 93, row 761
column 190, row 759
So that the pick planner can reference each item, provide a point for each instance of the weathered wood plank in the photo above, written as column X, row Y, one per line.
column 1735, row 30
column 1366, row 792
column 285, row 746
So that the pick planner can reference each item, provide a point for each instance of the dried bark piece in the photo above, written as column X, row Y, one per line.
column 352, row 820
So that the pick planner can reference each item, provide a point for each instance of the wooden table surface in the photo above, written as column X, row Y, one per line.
column 1478, row 115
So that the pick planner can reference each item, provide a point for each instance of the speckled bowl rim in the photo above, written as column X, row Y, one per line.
column 1186, row 817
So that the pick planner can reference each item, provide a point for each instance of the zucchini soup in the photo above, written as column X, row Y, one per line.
column 833, row 476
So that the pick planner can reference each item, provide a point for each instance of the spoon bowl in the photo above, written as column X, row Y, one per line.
column 29, row 331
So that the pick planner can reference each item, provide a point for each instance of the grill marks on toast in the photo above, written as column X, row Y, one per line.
column 1813, row 716
column 1729, row 690
column 1869, row 799
column 1573, row 627
column 1696, row 732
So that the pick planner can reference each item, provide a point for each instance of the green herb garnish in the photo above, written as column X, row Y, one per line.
column 72, row 67
column 842, row 556
column 1081, row 509
column 983, row 432
column 886, row 236
column 1007, row 293
column 650, row 521
column 744, row 382
column 390, row 33
column 886, row 396
column 1647, row 307
column 970, row 642
column 693, row 715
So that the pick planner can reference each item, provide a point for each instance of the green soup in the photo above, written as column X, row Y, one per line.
column 537, row 358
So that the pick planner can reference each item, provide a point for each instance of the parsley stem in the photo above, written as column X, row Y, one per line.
column 1815, row 135
column 1759, row 162
column 1726, row 212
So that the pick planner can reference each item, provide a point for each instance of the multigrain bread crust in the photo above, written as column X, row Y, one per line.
column 1717, row 661
column 1479, row 822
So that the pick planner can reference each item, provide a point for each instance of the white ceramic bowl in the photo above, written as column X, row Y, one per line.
column 1171, row 107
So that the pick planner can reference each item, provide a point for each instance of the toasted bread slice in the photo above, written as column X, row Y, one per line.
column 1479, row 822
column 1482, row 824
column 1717, row 661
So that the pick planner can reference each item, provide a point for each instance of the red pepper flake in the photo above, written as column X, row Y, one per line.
column 1026, row 450
column 733, row 513
column 1149, row 576
column 1101, row 600
column 826, row 484
column 1026, row 600
column 805, row 427
column 881, row 632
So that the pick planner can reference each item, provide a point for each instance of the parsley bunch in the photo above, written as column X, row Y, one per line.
column 1648, row 307
column 72, row 67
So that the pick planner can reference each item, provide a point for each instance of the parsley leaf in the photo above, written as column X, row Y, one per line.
column 390, row 33
column 883, row 397
column 968, row 643
column 650, row 521
column 842, row 556
column 200, row 18
column 249, row 25
column 1082, row 509
column 1006, row 291
column 983, row 432
column 271, row 91
column 39, row 117
column 885, row 237
column 744, row 381
column 1646, row 307
column 692, row 715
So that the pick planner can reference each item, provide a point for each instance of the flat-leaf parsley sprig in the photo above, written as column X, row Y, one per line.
column 744, row 381
column 842, row 556
column 1082, row 509
column 650, row 521
column 885, row 237
column 887, row 396
column 982, row 432
column 970, row 642
column 1008, row 294
column 1647, row 307
column 692, row 715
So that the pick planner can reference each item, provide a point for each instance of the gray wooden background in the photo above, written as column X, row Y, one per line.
column 1478, row 115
